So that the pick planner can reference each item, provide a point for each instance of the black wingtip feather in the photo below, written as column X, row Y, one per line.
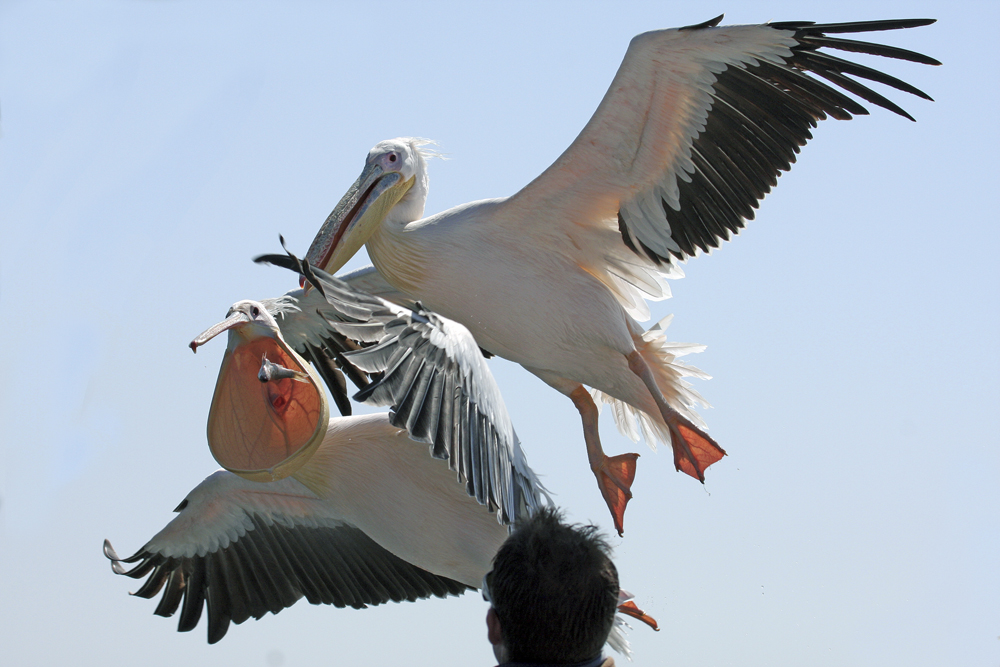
column 194, row 600
column 856, row 46
column 710, row 23
column 812, row 27
column 290, row 261
column 110, row 553
column 761, row 115
column 171, row 595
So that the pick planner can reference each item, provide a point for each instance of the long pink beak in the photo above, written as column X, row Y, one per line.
column 234, row 320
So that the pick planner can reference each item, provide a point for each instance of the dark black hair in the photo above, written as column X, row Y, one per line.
column 555, row 590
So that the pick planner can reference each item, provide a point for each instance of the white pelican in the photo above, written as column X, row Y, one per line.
column 360, row 513
column 693, row 132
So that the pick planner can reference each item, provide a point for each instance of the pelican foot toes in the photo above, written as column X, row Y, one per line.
column 614, row 477
column 694, row 450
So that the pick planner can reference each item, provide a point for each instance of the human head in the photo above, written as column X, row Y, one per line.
column 554, row 592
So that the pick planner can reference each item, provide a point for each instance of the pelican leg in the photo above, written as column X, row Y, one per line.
column 614, row 474
column 693, row 449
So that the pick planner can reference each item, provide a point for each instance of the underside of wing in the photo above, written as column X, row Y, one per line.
column 255, row 560
column 693, row 132
column 440, row 390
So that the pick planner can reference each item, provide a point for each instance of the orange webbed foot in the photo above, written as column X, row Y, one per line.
column 614, row 477
column 694, row 450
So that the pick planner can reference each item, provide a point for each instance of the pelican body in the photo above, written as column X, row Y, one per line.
column 693, row 132
column 364, row 516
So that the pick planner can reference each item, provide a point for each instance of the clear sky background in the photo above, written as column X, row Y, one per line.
column 150, row 149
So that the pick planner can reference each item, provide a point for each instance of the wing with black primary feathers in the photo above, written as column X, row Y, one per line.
column 242, row 549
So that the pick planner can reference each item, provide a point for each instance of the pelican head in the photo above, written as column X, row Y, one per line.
column 245, row 321
column 262, row 430
column 392, row 186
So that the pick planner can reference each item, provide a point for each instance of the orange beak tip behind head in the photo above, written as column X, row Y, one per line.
column 630, row 609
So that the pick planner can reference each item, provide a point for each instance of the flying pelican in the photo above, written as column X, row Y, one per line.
column 366, row 517
column 359, row 514
column 693, row 132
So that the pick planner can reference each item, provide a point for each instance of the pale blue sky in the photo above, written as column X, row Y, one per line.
column 149, row 149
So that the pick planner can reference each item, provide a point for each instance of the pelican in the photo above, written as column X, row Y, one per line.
column 366, row 517
column 348, row 511
column 693, row 132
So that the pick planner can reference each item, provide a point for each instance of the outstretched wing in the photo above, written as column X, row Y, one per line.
column 243, row 549
column 696, row 127
column 431, row 372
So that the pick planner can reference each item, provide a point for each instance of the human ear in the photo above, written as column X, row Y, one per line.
column 494, row 631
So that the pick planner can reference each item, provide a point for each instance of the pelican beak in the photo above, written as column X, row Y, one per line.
column 356, row 217
column 235, row 320
column 263, row 431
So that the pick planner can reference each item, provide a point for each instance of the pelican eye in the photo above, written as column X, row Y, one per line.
column 255, row 312
column 392, row 157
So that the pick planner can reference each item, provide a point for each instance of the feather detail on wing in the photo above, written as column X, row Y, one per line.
column 432, row 374
column 367, row 279
column 296, row 313
column 243, row 549
column 303, row 317
column 693, row 132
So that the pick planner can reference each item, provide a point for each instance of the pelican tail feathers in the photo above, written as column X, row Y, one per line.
column 669, row 372
column 618, row 640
